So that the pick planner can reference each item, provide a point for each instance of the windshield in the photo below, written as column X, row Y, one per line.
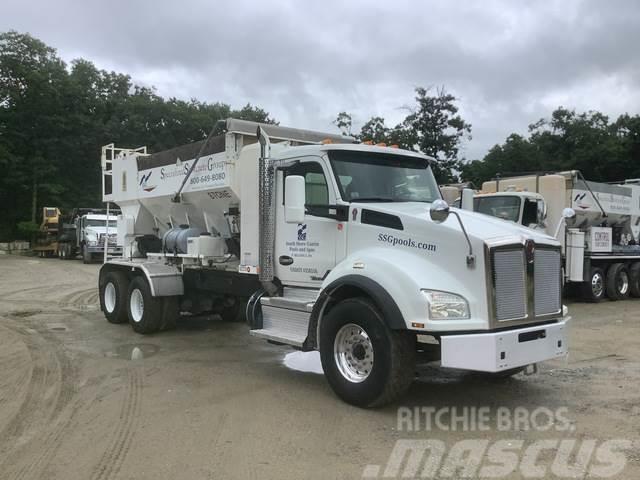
column 380, row 177
column 100, row 223
column 504, row 207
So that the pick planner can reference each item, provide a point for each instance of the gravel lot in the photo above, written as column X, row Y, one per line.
column 84, row 399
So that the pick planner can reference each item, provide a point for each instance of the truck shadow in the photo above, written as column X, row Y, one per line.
column 439, row 387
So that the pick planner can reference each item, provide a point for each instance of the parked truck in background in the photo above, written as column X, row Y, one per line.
column 83, row 231
column 92, row 227
column 324, row 244
column 600, row 243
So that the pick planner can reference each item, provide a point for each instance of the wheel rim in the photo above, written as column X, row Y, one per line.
column 597, row 285
column 353, row 353
column 110, row 297
column 622, row 283
column 136, row 304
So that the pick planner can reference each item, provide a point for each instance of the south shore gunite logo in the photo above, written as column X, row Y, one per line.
column 560, row 454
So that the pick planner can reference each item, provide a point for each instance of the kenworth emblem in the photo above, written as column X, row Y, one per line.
column 529, row 250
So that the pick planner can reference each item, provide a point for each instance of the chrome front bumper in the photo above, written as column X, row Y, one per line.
column 498, row 351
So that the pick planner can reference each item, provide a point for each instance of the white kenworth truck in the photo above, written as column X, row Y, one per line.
column 600, row 238
column 325, row 244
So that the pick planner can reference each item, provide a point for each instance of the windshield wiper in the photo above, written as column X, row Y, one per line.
column 373, row 199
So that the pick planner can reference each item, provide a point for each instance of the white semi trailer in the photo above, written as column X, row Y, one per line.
column 328, row 245
column 600, row 242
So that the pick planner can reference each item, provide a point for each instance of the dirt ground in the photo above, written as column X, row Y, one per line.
column 83, row 399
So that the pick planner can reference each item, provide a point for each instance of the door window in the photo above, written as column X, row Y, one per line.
column 317, row 190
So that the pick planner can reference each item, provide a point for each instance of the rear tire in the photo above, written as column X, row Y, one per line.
column 634, row 277
column 113, row 297
column 145, row 311
column 593, row 289
column 365, row 362
column 618, row 282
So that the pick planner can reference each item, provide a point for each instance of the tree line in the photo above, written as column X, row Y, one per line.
column 54, row 118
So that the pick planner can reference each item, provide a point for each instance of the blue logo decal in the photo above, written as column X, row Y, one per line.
column 302, row 232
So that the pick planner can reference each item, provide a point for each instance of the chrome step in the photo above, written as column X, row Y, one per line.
column 283, row 325
column 301, row 299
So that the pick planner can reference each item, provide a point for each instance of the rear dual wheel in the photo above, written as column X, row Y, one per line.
column 113, row 297
column 149, row 314
column 634, row 278
column 124, row 300
column 618, row 284
column 593, row 290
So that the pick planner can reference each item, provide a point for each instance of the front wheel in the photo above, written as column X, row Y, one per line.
column 366, row 363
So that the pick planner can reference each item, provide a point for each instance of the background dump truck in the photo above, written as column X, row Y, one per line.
column 324, row 244
column 84, row 232
column 600, row 238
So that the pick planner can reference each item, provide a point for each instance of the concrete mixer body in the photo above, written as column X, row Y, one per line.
column 601, row 243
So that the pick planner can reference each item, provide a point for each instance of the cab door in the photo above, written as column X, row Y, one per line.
column 306, row 252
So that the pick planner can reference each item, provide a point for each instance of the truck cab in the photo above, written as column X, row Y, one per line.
column 92, row 231
column 522, row 207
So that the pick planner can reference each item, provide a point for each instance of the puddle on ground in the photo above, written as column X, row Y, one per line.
column 304, row 362
column 137, row 351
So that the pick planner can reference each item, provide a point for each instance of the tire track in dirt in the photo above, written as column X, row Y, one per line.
column 114, row 456
column 81, row 299
column 43, row 417
column 29, row 292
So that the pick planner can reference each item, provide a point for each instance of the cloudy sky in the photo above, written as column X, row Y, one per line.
column 509, row 62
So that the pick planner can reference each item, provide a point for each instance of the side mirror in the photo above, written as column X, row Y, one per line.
column 466, row 201
column 568, row 218
column 542, row 212
column 569, row 215
column 439, row 211
column 294, row 199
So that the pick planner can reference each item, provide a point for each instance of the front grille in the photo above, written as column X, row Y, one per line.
column 509, row 283
column 547, row 266
column 113, row 239
column 524, row 291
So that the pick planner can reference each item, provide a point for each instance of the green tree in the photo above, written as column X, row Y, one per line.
column 588, row 141
column 54, row 118
column 32, row 79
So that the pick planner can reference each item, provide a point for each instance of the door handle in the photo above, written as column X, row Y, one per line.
column 285, row 260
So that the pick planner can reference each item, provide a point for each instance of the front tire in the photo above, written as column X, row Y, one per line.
column 365, row 362
column 145, row 311
column 113, row 297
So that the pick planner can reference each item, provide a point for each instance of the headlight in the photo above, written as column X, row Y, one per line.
column 92, row 241
column 446, row 306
